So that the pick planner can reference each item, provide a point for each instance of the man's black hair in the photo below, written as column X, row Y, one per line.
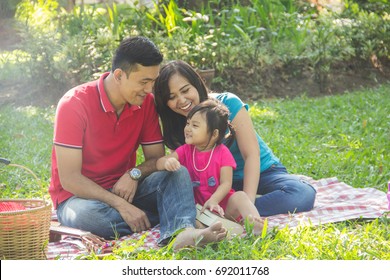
column 136, row 50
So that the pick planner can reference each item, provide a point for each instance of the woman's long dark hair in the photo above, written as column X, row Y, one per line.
column 173, row 123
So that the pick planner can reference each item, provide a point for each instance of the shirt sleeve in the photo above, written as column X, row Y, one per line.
column 232, row 102
column 151, row 131
column 181, row 153
column 227, row 157
column 70, row 123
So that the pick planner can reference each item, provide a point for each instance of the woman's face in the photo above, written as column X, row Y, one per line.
column 183, row 95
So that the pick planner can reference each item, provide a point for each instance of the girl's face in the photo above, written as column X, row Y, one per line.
column 196, row 133
column 183, row 95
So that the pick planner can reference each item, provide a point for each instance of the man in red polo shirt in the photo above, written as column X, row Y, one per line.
column 96, row 185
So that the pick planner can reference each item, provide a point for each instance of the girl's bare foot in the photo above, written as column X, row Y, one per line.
column 199, row 237
column 258, row 224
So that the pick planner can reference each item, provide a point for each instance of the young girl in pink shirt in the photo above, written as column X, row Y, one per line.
column 210, row 163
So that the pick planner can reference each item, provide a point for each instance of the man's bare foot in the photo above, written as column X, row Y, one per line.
column 199, row 237
column 199, row 224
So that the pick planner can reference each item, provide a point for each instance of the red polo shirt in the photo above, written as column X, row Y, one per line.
column 86, row 120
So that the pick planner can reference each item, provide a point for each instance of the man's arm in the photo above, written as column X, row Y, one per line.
column 151, row 153
column 127, row 187
column 69, row 162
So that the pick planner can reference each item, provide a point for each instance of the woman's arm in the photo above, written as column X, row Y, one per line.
column 126, row 187
column 250, row 151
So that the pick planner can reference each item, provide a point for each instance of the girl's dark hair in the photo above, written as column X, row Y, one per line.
column 173, row 123
column 217, row 117
column 136, row 50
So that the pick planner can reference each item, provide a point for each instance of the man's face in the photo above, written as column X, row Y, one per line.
column 139, row 82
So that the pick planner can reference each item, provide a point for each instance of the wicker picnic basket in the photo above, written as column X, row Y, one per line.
column 24, row 229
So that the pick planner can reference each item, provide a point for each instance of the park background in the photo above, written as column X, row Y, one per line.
column 315, row 74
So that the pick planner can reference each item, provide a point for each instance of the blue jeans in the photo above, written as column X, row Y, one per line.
column 281, row 192
column 166, row 198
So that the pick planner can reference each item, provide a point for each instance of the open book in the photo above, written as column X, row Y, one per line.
column 208, row 218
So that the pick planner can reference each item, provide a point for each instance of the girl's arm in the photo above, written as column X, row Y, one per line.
column 223, row 189
column 250, row 151
column 169, row 162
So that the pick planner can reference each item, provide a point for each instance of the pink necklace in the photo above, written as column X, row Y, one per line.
column 208, row 163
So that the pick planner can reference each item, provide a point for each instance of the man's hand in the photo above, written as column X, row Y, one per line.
column 125, row 187
column 134, row 217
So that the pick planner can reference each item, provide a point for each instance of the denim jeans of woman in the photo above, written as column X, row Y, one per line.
column 166, row 198
column 281, row 192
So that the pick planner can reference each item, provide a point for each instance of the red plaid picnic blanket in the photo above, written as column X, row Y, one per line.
column 335, row 202
column 70, row 248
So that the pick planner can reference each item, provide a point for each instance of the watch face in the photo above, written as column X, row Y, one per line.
column 135, row 173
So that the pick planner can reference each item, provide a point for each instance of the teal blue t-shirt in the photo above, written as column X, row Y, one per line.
column 267, row 158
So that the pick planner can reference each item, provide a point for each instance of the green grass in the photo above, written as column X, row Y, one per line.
column 344, row 136
column 342, row 241
column 26, row 139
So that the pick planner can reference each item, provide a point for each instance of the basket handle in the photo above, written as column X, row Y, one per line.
column 8, row 162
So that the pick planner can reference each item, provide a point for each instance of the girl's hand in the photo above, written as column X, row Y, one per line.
column 213, row 207
column 171, row 164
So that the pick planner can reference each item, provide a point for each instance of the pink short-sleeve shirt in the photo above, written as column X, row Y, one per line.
column 206, row 182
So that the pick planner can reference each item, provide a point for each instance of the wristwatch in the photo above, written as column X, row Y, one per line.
column 135, row 174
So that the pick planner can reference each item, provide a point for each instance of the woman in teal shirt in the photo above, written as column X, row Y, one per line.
column 259, row 172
